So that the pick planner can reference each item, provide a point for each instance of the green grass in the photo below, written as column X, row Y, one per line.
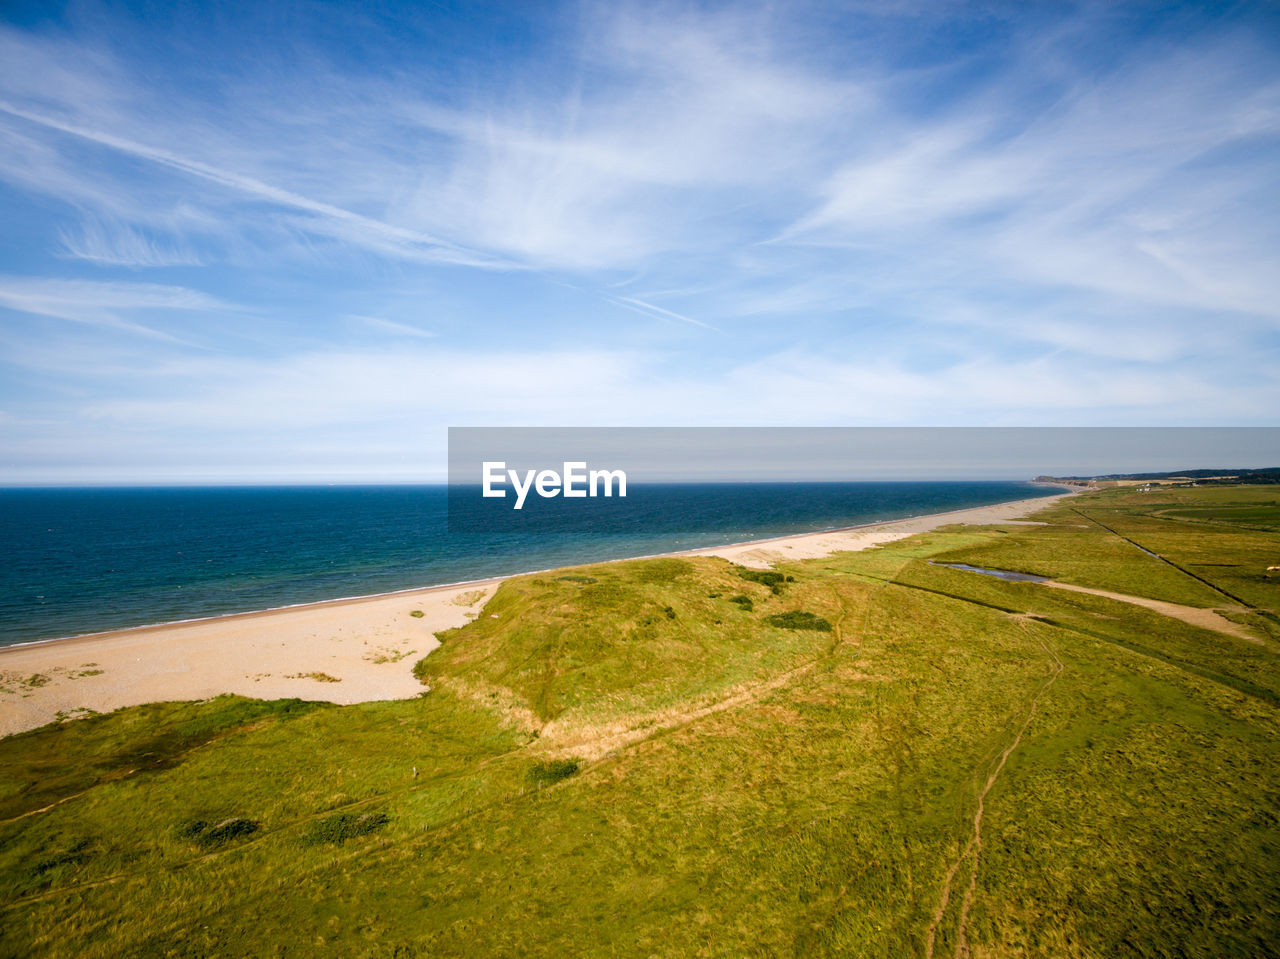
column 1264, row 517
column 644, row 636
column 592, row 775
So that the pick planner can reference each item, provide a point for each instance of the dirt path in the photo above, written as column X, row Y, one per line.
column 974, row 846
column 1204, row 618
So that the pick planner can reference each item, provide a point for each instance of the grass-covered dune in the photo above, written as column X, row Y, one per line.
column 863, row 755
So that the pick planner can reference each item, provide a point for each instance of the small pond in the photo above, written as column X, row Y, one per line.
column 997, row 573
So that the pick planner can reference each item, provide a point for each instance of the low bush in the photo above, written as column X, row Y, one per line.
column 338, row 829
column 767, row 577
column 552, row 771
column 798, row 619
column 219, row 834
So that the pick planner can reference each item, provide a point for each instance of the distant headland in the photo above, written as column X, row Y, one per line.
column 1196, row 477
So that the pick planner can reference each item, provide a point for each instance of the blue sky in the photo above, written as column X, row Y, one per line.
column 287, row 242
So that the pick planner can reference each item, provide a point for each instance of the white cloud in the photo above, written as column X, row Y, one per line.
column 1128, row 184
column 391, row 326
column 105, row 303
column 675, row 124
column 648, row 309
column 121, row 245
column 354, row 227
column 607, row 171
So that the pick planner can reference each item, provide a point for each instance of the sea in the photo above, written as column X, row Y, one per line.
column 76, row 561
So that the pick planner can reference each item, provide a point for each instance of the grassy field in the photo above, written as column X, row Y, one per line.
column 864, row 755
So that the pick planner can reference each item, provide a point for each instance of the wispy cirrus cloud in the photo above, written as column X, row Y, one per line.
column 392, row 326
column 355, row 227
column 109, row 304
column 672, row 124
column 1142, row 183
column 706, row 132
column 121, row 245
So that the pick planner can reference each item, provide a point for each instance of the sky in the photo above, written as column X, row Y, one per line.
column 288, row 242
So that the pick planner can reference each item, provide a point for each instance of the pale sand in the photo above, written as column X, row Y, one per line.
column 266, row 655
column 269, row 654
column 764, row 553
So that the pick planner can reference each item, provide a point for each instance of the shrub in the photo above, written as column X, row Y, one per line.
column 745, row 602
column 338, row 829
column 766, row 577
column 671, row 613
column 225, row 831
column 552, row 771
column 416, row 613
column 798, row 619
column 192, row 829
column 585, row 580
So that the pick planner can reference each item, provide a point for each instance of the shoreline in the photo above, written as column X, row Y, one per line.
column 344, row 650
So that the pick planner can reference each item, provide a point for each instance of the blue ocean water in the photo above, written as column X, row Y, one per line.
column 85, row 560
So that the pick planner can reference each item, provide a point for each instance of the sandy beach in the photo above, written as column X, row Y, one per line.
column 344, row 651
column 764, row 553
